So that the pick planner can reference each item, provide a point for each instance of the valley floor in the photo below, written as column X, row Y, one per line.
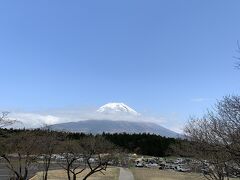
column 115, row 173
column 110, row 174
column 156, row 174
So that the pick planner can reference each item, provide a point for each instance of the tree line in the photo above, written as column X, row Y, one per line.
column 141, row 143
column 22, row 149
column 145, row 143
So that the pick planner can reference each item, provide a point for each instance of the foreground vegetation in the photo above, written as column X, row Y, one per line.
column 23, row 150
column 145, row 143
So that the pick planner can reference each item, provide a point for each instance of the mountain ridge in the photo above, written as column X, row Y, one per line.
column 109, row 126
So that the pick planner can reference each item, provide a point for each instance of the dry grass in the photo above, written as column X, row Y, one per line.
column 156, row 174
column 110, row 174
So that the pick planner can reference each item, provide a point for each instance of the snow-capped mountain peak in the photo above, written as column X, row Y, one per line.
column 117, row 108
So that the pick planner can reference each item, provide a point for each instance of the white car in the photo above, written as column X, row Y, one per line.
column 151, row 165
column 139, row 165
column 181, row 168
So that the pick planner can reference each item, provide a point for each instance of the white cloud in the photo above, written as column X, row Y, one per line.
column 40, row 119
column 172, row 122
column 32, row 120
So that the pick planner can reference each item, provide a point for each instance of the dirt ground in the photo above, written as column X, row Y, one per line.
column 156, row 174
column 110, row 174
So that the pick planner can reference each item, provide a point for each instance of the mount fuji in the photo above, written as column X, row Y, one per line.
column 134, row 124
column 112, row 108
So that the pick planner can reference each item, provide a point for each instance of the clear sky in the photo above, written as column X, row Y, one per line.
column 171, row 58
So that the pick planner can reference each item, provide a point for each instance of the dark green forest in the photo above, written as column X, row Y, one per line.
column 144, row 144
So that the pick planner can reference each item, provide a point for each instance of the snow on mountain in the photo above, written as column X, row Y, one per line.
column 113, row 108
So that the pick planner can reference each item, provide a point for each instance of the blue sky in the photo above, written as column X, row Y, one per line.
column 169, row 58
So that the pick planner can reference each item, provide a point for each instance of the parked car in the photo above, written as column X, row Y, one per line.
column 178, row 161
column 139, row 164
column 182, row 168
column 162, row 166
column 151, row 165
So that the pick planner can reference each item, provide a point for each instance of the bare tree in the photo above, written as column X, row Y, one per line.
column 97, row 154
column 71, row 153
column 204, row 148
column 19, row 154
column 5, row 120
column 89, row 154
column 216, row 138
column 48, row 143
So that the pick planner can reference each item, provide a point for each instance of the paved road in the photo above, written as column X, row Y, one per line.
column 125, row 174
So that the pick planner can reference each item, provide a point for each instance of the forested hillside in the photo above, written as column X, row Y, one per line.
column 145, row 144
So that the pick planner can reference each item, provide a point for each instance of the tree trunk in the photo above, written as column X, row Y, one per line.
column 45, row 175
column 68, row 174
column 47, row 165
column 74, row 177
column 25, row 174
column 89, row 174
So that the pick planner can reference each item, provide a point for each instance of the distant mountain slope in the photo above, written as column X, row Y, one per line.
column 99, row 126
